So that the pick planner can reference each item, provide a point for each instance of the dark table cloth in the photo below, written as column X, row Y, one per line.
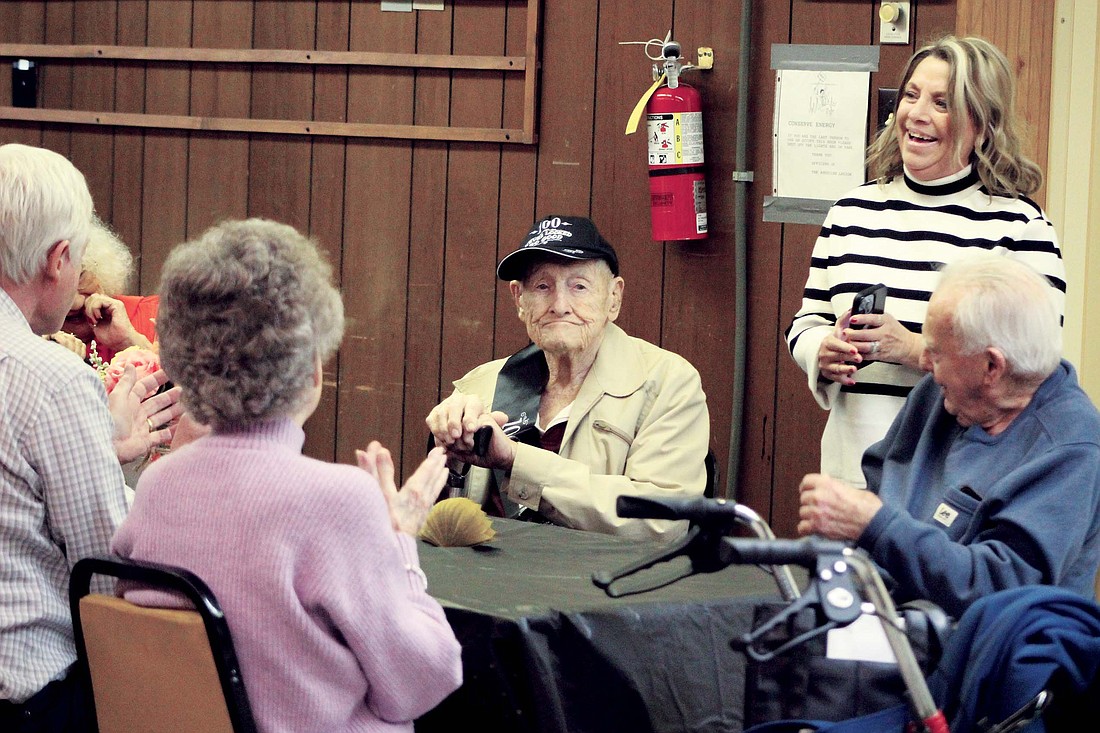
column 546, row 650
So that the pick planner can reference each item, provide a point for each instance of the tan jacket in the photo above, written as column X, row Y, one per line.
column 639, row 426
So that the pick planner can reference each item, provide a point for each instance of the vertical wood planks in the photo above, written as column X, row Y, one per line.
column 128, row 162
column 620, row 192
column 326, row 204
column 165, row 174
column 1024, row 30
column 564, row 183
column 516, row 205
column 24, row 21
column 376, row 240
column 219, row 160
column 427, row 234
column 55, row 80
column 473, row 186
column 278, row 165
column 94, row 88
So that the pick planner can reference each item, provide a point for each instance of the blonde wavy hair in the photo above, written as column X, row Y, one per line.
column 982, row 83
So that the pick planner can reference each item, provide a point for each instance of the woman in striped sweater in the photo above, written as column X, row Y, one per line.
column 948, row 177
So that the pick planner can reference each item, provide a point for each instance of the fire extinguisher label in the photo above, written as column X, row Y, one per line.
column 700, row 207
column 675, row 138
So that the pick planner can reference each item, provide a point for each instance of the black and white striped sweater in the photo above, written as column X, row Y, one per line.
column 900, row 234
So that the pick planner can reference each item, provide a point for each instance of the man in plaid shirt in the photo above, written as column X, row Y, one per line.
column 62, row 492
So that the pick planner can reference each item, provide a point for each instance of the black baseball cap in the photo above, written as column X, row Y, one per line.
column 572, row 237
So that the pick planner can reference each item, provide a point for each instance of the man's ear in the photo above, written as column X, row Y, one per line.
column 56, row 257
column 617, row 287
column 516, row 288
column 996, row 365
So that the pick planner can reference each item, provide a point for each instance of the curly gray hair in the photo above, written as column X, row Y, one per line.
column 245, row 310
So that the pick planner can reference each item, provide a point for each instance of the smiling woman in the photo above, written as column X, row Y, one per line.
column 934, row 143
column 947, row 178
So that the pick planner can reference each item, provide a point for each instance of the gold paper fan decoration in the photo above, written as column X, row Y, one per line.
column 457, row 522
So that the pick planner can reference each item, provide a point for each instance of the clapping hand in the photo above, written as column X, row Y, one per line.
column 408, row 507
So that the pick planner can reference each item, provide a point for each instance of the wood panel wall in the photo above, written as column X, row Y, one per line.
column 415, row 228
column 1024, row 30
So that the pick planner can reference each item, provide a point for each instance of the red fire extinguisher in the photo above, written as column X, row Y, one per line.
column 677, row 184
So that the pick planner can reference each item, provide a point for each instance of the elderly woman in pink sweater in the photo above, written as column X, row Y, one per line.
column 314, row 563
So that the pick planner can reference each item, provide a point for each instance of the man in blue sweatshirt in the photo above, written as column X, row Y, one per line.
column 989, row 478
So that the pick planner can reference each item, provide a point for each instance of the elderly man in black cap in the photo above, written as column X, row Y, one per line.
column 583, row 415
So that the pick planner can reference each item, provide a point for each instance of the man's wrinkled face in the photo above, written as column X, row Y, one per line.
column 566, row 305
column 961, row 377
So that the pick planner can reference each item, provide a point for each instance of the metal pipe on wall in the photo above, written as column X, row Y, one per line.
column 741, row 182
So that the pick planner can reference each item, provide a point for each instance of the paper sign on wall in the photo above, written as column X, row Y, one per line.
column 820, row 132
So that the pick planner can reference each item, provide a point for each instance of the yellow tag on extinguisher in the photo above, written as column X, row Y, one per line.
column 636, row 115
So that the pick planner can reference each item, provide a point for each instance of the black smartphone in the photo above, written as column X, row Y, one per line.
column 872, row 299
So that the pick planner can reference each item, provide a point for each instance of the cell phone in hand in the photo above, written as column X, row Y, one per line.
column 872, row 299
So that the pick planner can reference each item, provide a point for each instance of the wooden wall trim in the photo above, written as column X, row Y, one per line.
column 279, row 127
column 264, row 56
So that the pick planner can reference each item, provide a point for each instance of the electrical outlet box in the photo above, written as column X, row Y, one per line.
column 894, row 17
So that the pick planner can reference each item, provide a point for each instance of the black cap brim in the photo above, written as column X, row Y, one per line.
column 515, row 266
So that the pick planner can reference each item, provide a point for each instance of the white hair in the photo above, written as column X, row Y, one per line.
column 108, row 259
column 1004, row 303
column 44, row 199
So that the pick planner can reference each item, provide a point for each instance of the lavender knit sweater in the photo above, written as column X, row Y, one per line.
column 329, row 616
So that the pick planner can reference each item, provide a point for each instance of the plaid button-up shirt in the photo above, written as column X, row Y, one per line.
column 62, row 496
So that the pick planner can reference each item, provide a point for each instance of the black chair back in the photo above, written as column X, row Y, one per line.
column 164, row 668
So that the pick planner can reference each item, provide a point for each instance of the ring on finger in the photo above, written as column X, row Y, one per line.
column 874, row 347
column 149, row 422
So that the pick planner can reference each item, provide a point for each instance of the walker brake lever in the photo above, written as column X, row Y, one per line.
column 605, row 579
column 832, row 592
column 710, row 520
